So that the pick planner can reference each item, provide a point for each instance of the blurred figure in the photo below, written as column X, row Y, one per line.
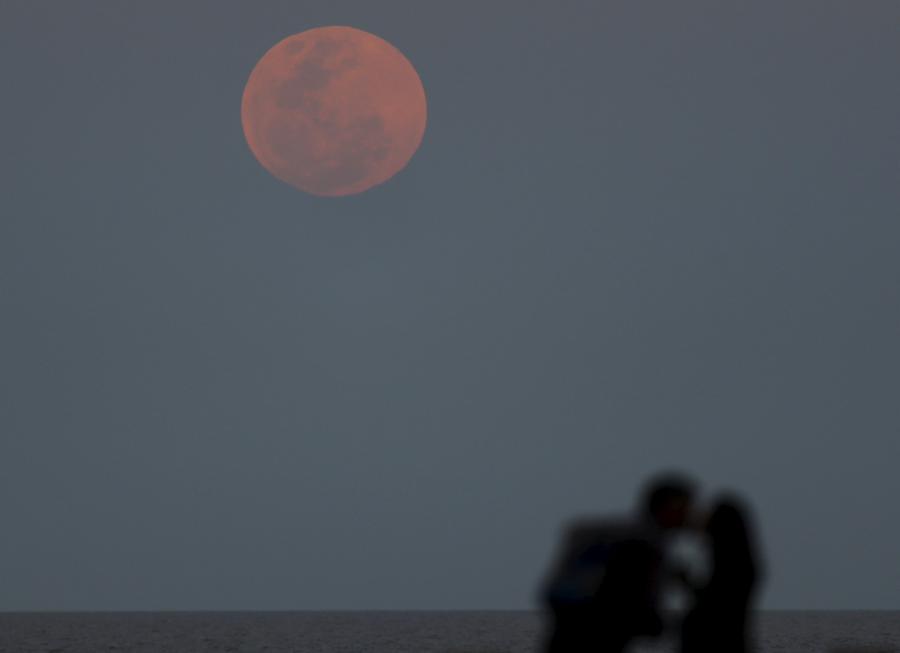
column 604, row 589
column 718, row 620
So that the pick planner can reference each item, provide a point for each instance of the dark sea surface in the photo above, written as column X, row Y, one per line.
column 387, row 632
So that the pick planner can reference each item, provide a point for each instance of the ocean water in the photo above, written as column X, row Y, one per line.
column 388, row 632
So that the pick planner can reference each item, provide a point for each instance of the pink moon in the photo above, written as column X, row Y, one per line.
column 333, row 111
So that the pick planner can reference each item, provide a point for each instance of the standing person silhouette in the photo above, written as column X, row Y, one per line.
column 718, row 620
column 604, row 589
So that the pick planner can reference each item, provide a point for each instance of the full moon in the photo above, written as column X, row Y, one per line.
column 333, row 111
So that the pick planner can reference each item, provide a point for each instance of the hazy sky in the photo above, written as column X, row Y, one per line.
column 636, row 235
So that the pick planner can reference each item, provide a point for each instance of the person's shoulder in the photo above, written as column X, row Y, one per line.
column 603, row 528
column 618, row 531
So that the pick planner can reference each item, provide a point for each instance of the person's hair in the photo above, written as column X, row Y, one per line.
column 731, row 533
column 663, row 488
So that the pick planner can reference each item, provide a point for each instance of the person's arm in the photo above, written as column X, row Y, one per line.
column 634, row 585
column 686, row 578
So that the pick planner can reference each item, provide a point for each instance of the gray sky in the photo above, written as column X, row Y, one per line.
column 636, row 235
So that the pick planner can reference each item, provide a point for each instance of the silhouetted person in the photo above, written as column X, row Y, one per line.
column 604, row 589
column 718, row 621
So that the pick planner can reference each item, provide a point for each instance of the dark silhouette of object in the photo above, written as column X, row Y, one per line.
column 718, row 619
column 603, row 591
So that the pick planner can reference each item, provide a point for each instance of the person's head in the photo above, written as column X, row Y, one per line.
column 667, row 500
column 728, row 524
column 729, row 528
